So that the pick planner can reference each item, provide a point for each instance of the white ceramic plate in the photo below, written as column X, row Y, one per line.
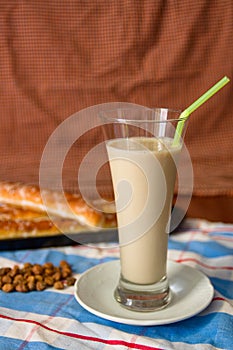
column 191, row 293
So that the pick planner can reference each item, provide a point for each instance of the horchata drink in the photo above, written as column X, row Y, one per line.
column 143, row 160
column 143, row 173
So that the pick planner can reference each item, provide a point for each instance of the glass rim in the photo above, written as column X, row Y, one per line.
column 121, row 120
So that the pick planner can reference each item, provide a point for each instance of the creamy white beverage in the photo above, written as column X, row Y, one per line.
column 143, row 173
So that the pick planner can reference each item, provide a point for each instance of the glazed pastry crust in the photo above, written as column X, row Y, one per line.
column 39, row 227
column 16, row 222
column 29, row 199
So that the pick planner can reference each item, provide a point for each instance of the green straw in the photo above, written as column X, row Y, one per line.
column 186, row 113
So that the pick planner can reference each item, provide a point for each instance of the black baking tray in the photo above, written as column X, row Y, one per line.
column 84, row 237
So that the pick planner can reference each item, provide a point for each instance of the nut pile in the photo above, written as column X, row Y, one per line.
column 36, row 277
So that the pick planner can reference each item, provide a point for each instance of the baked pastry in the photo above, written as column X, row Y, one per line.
column 11, row 212
column 68, row 206
column 19, row 222
column 37, row 228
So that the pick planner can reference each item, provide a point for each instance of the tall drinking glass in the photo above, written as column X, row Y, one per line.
column 143, row 156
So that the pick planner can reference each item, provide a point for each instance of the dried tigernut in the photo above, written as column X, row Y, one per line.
column 48, row 272
column 36, row 277
column 8, row 287
column 64, row 263
column 14, row 271
column 57, row 276
column 27, row 274
column 70, row 281
column 31, row 279
column 66, row 273
column 27, row 265
column 37, row 269
column 58, row 285
column 49, row 281
column 4, row 270
column 56, row 269
column 48, row 265
column 31, row 285
column 26, row 270
column 6, row 279
column 40, row 285
column 18, row 278
column 21, row 287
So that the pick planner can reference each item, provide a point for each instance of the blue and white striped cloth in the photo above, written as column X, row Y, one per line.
column 53, row 319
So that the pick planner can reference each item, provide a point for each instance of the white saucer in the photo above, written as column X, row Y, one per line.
column 191, row 293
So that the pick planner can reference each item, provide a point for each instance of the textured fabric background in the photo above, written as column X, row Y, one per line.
column 58, row 57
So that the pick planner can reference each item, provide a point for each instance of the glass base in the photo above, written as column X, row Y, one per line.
column 143, row 298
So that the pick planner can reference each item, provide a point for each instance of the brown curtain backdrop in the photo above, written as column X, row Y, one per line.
column 58, row 57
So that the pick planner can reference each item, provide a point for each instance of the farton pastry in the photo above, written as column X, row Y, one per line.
column 68, row 206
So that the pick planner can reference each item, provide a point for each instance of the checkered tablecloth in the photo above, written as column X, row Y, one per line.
column 53, row 319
